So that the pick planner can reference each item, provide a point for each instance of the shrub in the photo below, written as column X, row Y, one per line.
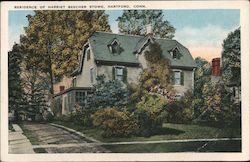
column 114, row 122
column 181, row 111
column 217, row 106
column 81, row 118
column 149, row 114
column 110, row 93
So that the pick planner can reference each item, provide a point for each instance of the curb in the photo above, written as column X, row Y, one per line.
column 75, row 132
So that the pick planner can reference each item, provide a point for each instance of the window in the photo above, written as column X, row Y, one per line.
column 176, row 53
column 80, row 97
column 119, row 73
column 88, row 54
column 74, row 82
column 115, row 47
column 92, row 75
column 178, row 78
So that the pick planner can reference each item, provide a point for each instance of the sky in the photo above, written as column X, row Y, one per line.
column 201, row 31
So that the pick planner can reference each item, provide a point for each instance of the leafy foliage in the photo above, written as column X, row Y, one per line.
column 134, row 22
column 202, row 75
column 180, row 111
column 115, row 123
column 56, row 37
column 149, row 114
column 111, row 93
column 36, row 90
column 231, row 58
column 156, row 78
column 14, row 78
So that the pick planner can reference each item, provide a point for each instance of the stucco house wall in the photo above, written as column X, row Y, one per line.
column 84, row 80
column 188, row 82
column 132, row 72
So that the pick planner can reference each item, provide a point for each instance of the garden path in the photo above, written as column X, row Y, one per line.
column 49, row 135
column 18, row 143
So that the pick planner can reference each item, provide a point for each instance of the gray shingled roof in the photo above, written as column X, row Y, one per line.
column 130, row 44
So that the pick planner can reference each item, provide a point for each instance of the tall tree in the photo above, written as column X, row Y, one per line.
column 135, row 22
column 202, row 75
column 35, row 87
column 55, row 39
column 231, row 58
column 14, row 79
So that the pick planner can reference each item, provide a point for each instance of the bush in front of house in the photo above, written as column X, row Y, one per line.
column 82, row 117
column 111, row 93
column 149, row 114
column 115, row 123
column 180, row 110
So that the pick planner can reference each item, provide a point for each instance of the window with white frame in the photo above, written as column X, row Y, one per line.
column 178, row 77
column 119, row 73
column 92, row 75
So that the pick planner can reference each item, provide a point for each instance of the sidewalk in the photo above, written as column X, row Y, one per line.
column 18, row 143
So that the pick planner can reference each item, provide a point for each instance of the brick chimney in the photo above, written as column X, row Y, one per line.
column 216, row 67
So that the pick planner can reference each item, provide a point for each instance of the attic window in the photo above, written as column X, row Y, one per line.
column 114, row 47
column 176, row 53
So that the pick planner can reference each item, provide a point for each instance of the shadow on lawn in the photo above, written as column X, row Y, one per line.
column 168, row 131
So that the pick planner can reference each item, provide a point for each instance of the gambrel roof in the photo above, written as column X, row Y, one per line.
column 131, row 45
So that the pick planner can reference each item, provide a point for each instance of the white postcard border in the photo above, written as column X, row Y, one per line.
column 244, row 21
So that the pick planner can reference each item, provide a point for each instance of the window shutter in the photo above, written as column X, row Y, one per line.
column 113, row 73
column 125, row 72
column 172, row 78
column 182, row 78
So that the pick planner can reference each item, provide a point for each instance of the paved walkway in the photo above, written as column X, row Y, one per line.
column 49, row 135
column 18, row 143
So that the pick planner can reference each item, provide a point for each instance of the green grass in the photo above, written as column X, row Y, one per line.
column 219, row 146
column 33, row 140
column 168, row 132
column 40, row 150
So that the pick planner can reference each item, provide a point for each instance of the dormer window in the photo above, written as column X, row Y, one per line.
column 176, row 53
column 114, row 47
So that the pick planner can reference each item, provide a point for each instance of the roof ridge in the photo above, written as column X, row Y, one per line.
column 122, row 34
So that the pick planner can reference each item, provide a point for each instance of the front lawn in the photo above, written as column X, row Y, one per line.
column 169, row 132
column 218, row 146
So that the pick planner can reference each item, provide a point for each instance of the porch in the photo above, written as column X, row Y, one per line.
column 67, row 100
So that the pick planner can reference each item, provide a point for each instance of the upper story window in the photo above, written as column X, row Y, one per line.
column 74, row 82
column 176, row 53
column 178, row 78
column 115, row 47
column 88, row 54
column 120, row 73
column 92, row 75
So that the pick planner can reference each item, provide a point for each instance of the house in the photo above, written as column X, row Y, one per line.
column 120, row 56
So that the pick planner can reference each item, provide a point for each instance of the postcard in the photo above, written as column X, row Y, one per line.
column 125, row 81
